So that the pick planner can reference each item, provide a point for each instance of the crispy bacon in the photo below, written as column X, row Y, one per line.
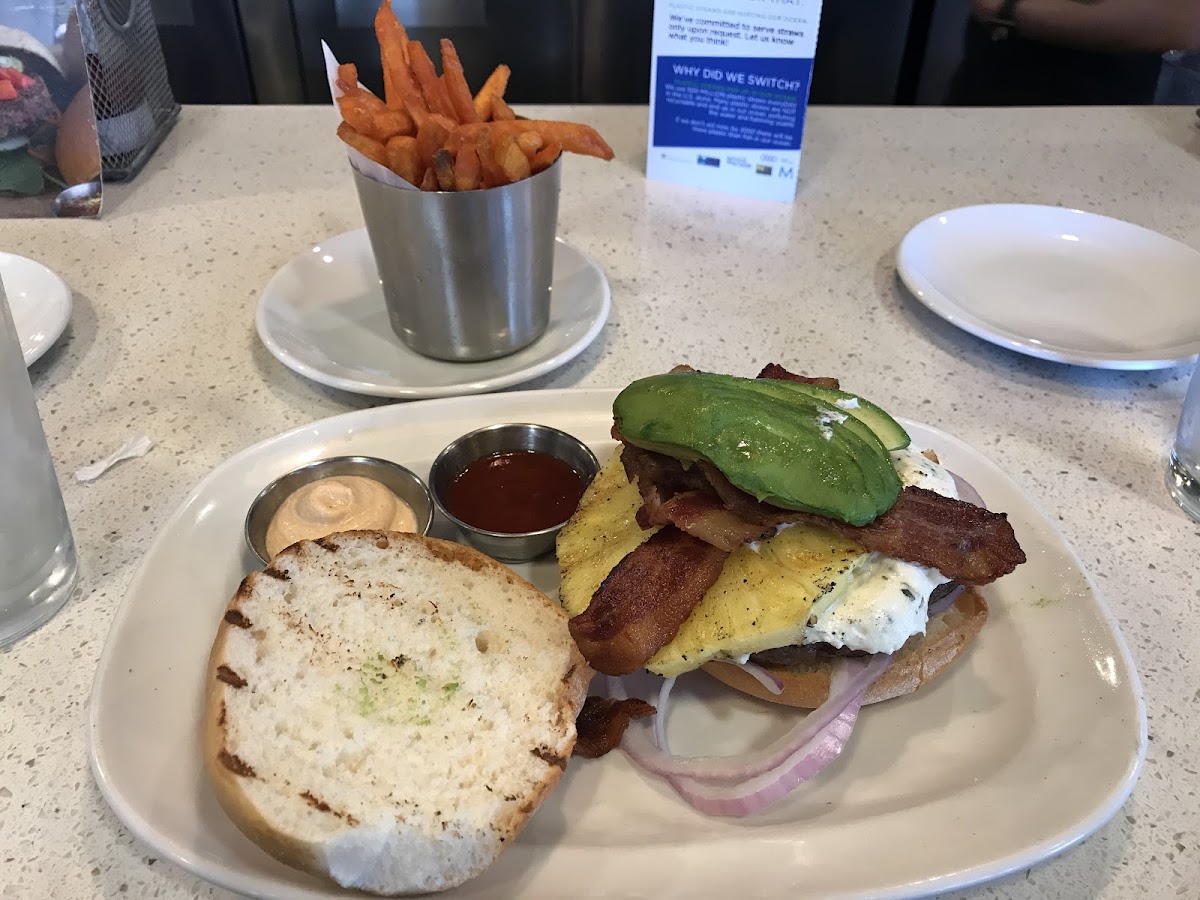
column 742, row 504
column 657, row 473
column 673, row 495
column 964, row 542
column 778, row 373
column 701, row 515
column 602, row 722
column 643, row 601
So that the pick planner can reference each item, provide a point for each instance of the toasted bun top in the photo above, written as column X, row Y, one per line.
column 388, row 710
column 919, row 662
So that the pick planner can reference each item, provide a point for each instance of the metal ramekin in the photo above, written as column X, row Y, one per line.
column 520, row 546
column 400, row 481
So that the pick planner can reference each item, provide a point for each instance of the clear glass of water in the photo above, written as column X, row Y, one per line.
column 1183, row 472
column 37, row 551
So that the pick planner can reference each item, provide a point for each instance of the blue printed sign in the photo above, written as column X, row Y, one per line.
column 731, row 75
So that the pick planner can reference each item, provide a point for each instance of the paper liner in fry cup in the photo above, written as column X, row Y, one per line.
column 360, row 163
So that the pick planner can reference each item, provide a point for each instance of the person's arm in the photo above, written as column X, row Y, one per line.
column 1115, row 26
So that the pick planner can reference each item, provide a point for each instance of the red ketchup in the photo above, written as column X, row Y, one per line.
column 515, row 492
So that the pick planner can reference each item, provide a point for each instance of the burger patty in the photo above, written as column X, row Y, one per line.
column 801, row 656
column 31, row 109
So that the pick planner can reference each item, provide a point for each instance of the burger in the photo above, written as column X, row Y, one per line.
column 47, row 125
column 784, row 536
column 27, row 111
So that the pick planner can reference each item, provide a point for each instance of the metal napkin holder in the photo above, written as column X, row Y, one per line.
column 131, row 95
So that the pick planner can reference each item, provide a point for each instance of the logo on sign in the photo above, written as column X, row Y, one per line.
column 762, row 170
column 708, row 161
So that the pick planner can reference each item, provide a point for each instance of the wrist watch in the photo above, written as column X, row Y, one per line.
column 1004, row 22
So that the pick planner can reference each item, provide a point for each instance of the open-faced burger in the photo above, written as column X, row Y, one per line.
column 786, row 537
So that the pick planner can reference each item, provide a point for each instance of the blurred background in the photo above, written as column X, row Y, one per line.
column 580, row 51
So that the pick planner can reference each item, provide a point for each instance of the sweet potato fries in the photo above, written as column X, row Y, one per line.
column 434, row 134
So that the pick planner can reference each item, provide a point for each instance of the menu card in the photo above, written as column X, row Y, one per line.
column 729, row 86
column 50, row 161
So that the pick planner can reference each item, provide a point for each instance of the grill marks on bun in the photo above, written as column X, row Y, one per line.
column 391, row 711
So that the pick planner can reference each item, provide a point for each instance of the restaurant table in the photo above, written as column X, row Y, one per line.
column 162, row 341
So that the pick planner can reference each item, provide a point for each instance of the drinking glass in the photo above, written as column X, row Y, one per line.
column 1183, row 472
column 37, row 551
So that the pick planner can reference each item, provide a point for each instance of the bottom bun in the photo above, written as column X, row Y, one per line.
column 918, row 663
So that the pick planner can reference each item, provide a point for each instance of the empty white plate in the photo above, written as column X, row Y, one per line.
column 40, row 302
column 322, row 315
column 1059, row 284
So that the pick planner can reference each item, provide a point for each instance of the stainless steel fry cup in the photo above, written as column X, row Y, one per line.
column 466, row 275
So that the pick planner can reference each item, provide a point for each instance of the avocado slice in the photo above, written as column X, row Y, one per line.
column 784, row 447
column 887, row 429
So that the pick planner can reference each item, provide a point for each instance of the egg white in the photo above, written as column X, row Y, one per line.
column 880, row 602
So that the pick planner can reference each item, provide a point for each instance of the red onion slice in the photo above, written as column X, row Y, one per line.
column 966, row 491
column 758, row 673
column 849, row 681
column 754, row 794
column 945, row 602
column 660, row 715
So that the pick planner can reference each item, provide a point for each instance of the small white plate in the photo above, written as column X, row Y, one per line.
column 1030, row 744
column 40, row 302
column 322, row 315
column 1059, row 284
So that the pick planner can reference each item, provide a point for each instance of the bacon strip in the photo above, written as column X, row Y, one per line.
column 701, row 515
column 642, row 603
column 964, row 542
column 777, row 372
column 602, row 722
column 657, row 473
column 672, row 495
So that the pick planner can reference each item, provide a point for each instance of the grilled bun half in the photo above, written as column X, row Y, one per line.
column 387, row 711
column 922, row 659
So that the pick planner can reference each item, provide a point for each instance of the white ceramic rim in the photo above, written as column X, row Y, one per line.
column 476, row 386
column 58, row 299
column 949, row 309
column 220, row 876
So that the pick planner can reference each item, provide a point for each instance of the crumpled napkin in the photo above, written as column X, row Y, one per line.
column 138, row 445
column 367, row 167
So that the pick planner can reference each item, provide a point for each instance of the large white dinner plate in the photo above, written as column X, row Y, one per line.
column 1059, row 284
column 1028, row 745
column 40, row 302
column 322, row 315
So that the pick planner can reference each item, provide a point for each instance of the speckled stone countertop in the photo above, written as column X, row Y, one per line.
column 162, row 341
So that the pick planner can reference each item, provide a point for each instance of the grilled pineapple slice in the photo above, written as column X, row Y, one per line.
column 602, row 532
column 760, row 601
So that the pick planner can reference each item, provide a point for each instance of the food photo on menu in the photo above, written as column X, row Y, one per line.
column 650, row 453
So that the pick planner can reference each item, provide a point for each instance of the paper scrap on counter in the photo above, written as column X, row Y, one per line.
column 729, row 84
column 367, row 167
column 133, row 448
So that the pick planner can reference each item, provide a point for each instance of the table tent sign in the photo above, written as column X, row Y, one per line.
column 729, row 84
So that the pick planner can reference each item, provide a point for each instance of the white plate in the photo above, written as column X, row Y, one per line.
column 1059, row 284
column 1028, row 746
column 40, row 302
column 322, row 315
